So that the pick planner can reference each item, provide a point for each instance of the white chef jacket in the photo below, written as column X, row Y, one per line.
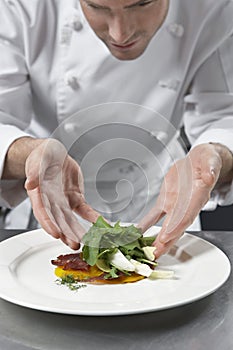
column 57, row 79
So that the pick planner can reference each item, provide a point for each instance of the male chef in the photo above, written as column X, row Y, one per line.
column 76, row 76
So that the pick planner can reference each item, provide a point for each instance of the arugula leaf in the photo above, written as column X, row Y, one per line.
column 146, row 241
column 100, row 222
column 103, row 252
column 132, row 245
column 120, row 236
column 92, row 240
column 91, row 244
column 112, row 273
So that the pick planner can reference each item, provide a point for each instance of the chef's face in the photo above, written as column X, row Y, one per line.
column 125, row 26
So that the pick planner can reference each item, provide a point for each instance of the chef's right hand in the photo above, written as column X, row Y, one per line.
column 54, row 184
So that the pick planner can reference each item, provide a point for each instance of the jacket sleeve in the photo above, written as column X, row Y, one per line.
column 209, row 109
column 15, row 94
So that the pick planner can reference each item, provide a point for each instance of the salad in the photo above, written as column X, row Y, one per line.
column 111, row 253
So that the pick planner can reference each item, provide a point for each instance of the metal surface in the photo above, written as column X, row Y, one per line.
column 206, row 324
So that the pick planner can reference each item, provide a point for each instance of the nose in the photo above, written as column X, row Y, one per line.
column 120, row 29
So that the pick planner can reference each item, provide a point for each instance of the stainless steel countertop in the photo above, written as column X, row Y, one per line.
column 206, row 324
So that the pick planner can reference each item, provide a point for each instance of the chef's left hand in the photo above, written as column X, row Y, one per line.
column 185, row 190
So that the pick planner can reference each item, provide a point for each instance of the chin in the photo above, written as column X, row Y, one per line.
column 121, row 57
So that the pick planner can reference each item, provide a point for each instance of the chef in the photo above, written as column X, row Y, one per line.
column 112, row 83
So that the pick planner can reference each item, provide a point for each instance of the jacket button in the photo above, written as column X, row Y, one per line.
column 72, row 81
column 74, row 22
column 77, row 24
column 176, row 29
column 170, row 84
column 69, row 127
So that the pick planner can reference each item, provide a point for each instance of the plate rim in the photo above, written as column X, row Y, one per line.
column 48, row 239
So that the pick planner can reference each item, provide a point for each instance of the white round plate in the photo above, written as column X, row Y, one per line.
column 27, row 278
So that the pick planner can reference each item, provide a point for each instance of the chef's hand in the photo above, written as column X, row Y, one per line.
column 54, row 184
column 185, row 190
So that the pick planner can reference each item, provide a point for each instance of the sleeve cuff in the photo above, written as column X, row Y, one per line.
column 9, row 134
column 12, row 192
column 223, row 196
column 223, row 136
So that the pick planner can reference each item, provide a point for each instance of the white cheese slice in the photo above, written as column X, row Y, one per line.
column 141, row 269
column 149, row 252
column 121, row 262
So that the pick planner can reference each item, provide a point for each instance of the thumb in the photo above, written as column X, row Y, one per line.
column 34, row 169
column 211, row 172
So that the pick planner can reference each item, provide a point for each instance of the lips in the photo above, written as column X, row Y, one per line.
column 124, row 47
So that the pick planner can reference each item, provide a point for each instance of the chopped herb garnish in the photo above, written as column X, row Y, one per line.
column 70, row 282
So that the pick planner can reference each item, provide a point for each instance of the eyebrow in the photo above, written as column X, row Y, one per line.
column 126, row 7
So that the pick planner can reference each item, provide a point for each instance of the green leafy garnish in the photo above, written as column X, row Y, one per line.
column 146, row 241
column 112, row 273
column 103, row 240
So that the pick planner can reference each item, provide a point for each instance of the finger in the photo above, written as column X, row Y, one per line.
column 34, row 169
column 31, row 184
column 87, row 212
column 32, row 180
column 163, row 248
column 180, row 218
column 43, row 213
column 73, row 223
column 189, row 203
column 68, row 223
column 210, row 171
column 206, row 163
column 153, row 216
column 72, row 244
